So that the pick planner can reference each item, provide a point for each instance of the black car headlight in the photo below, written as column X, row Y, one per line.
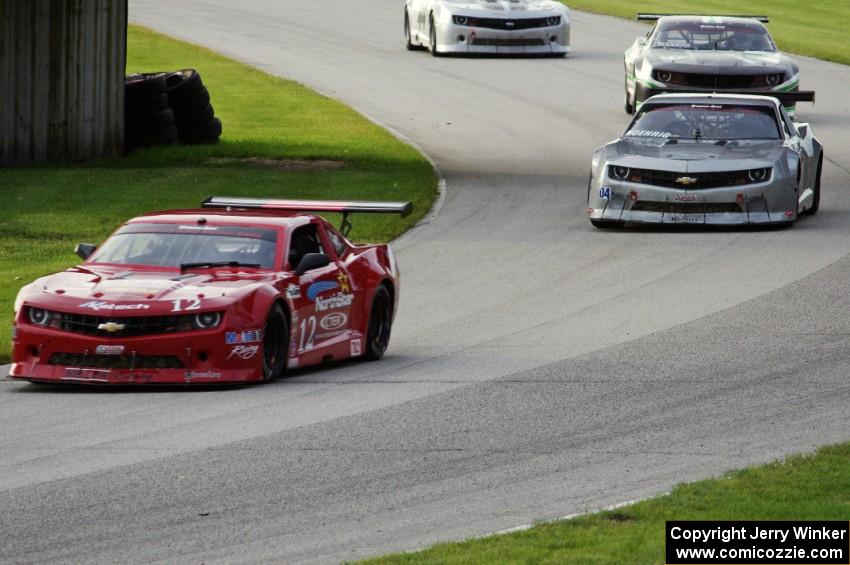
column 553, row 21
column 206, row 320
column 773, row 80
column 620, row 173
column 460, row 20
column 39, row 316
column 758, row 175
column 663, row 76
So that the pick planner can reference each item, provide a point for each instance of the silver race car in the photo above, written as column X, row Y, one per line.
column 510, row 27
column 701, row 53
column 722, row 159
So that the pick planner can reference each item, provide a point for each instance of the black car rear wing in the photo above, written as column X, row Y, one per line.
column 654, row 17
column 341, row 206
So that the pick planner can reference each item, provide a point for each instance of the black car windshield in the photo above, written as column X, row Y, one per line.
column 705, row 121
column 173, row 245
column 708, row 36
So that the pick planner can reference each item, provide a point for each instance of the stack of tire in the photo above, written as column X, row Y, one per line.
column 166, row 108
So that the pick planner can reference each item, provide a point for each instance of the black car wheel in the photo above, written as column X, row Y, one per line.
column 275, row 344
column 408, row 43
column 432, row 40
column 816, row 198
column 630, row 106
column 380, row 324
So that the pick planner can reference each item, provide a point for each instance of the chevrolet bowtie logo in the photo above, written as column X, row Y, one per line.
column 686, row 180
column 110, row 327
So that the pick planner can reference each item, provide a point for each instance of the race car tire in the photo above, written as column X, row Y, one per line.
column 432, row 40
column 630, row 106
column 275, row 344
column 816, row 198
column 606, row 224
column 144, row 84
column 408, row 43
column 380, row 324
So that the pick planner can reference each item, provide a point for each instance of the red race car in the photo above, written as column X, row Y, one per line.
column 237, row 291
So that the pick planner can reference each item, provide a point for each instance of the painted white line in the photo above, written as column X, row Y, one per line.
column 524, row 527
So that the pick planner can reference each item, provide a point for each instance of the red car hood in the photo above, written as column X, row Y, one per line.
column 106, row 291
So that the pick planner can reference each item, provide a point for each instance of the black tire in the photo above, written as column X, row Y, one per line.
column 184, row 87
column 275, row 344
column 380, row 325
column 196, row 101
column 146, row 104
column 201, row 133
column 214, row 130
column 143, row 122
column 432, row 39
column 606, row 224
column 630, row 107
column 816, row 198
column 145, row 84
column 408, row 43
column 194, row 117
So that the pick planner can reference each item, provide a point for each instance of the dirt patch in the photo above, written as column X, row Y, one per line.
column 282, row 164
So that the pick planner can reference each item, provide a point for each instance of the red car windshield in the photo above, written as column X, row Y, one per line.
column 173, row 245
column 705, row 121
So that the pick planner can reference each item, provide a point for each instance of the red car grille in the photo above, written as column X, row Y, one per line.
column 116, row 361
column 133, row 325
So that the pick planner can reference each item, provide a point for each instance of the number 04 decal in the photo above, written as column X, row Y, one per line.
column 307, row 333
column 187, row 304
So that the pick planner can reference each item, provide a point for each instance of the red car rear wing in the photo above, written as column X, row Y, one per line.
column 343, row 207
column 654, row 17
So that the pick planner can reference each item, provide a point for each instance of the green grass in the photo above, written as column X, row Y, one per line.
column 818, row 29
column 813, row 487
column 46, row 210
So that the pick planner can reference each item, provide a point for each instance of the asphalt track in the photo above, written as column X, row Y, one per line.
column 538, row 367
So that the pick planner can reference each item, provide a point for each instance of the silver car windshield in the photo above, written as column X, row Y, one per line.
column 713, row 37
column 705, row 121
column 171, row 245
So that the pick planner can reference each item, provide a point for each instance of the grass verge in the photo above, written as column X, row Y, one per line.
column 811, row 487
column 817, row 29
column 267, row 122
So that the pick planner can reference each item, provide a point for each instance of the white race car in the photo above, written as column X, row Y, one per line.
column 510, row 27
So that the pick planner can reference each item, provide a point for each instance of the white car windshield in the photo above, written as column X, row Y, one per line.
column 175, row 245
column 712, row 37
column 705, row 121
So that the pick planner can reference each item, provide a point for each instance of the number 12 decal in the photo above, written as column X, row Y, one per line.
column 187, row 304
column 307, row 333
